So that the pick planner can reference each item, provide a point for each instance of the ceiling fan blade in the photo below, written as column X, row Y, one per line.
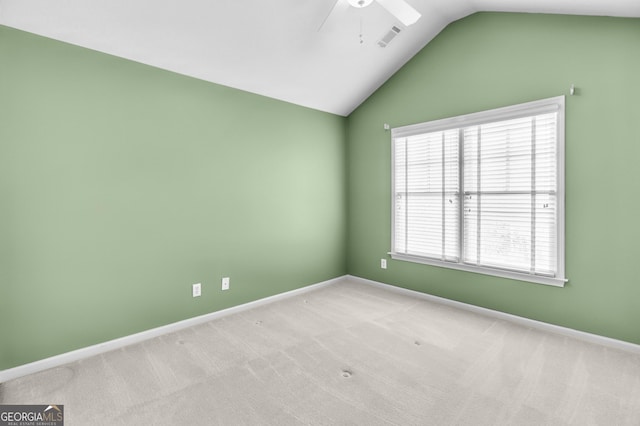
column 401, row 10
column 338, row 4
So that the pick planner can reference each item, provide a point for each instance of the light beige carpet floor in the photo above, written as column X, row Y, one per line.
column 346, row 354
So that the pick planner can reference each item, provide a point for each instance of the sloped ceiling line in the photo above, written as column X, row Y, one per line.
column 272, row 48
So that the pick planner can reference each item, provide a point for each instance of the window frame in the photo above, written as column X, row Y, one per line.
column 554, row 104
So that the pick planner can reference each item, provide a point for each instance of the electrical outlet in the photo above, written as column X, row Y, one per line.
column 196, row 290
column 225, row 283
column 383, row 263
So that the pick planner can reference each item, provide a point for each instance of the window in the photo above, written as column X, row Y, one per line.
column 483, row 192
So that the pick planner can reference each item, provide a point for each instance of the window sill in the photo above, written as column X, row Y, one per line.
column 537, row 279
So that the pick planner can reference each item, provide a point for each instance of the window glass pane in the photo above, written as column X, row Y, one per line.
column 545, row 238
column 426, row 200
column 500, row 225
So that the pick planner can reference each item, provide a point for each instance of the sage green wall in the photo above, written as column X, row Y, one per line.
column 121, row 185
column 489, row 60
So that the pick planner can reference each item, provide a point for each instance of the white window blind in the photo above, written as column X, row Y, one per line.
column 483, row 192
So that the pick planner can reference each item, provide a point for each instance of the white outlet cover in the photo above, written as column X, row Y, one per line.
column 383, row 263
column 196, row 290
column 225, row 283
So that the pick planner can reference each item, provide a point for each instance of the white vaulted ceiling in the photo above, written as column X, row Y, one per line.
column 269, row 47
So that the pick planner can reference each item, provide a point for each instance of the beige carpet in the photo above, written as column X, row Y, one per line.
column 346, row 354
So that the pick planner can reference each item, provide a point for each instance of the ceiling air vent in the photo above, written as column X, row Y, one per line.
column 393, row 32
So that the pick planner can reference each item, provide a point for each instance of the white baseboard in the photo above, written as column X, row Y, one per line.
column 65, row 358
column 569, row 332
